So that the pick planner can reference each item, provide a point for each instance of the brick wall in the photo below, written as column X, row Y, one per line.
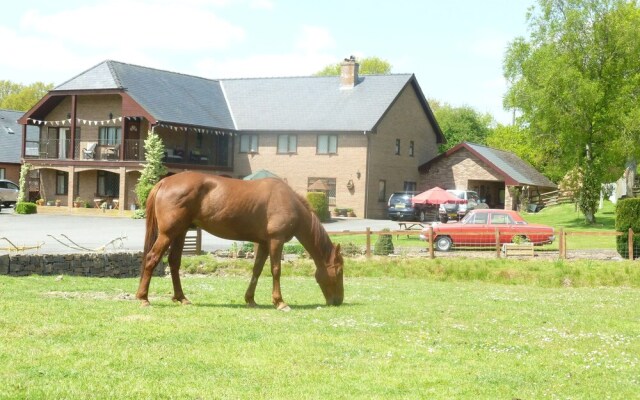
column 108, row 265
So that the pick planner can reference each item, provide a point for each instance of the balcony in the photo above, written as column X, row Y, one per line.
column 132, row 150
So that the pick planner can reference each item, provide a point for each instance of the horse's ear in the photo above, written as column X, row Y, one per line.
column 338, row 248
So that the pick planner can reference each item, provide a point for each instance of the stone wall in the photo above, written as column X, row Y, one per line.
column 107, row 265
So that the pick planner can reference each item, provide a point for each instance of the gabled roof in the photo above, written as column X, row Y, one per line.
column 11, row 136
column 515, row 171
column 168, row 96
column 257, row 104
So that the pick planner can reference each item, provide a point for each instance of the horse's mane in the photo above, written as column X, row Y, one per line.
column 321, row 238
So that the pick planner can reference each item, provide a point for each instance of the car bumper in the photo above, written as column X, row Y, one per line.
column 401, row 214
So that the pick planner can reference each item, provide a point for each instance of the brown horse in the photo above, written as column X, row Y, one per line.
column 265, row 211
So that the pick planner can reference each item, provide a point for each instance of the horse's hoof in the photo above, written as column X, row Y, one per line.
column 184, row 301
column 251, row 304
column 284, row 307
column 145, row 303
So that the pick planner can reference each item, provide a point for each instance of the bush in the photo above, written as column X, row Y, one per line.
column 628, row 216
column 384, row 244
column 319, row 204
column 26, row 208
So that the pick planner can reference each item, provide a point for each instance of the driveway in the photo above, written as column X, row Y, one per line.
column 65, row 234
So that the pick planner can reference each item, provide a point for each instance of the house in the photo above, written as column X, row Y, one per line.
column 499, row 177
column 11, row 144
column 362, row 136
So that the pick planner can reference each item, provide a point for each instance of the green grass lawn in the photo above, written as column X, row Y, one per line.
column 409, row 329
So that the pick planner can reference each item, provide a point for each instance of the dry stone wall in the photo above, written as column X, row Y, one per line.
column 107, row 265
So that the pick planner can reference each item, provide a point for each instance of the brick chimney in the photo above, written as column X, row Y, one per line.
column 349, row 73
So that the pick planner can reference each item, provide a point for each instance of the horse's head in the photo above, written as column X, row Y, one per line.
column 330, row 278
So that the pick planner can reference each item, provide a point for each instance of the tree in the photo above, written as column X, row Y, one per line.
column 14, row 96
column 576, row 83
column 368, row 66
column 153, row 170
column 459, row 124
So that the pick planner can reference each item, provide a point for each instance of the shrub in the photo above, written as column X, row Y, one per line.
column 384, row 244
column 319, row 204
column 294, row 248
column 26, row 208
column 628, row 216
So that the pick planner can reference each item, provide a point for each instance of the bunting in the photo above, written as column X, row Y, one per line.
column 79, row 121
column 192, row 129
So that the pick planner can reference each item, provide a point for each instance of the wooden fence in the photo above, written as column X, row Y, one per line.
column 500, row 249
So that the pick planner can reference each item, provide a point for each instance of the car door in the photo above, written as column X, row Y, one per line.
column 503, row 222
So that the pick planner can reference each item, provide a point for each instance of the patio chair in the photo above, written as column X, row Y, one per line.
column 89, row 151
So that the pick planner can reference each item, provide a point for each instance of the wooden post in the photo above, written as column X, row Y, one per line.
column 563, row 244
column 560, row 243
column 431, row 254
column 198, row 241
column 368, row 250
column 630, row 244
column 497, row 243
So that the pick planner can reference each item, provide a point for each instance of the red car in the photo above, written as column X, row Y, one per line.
column 478, row 228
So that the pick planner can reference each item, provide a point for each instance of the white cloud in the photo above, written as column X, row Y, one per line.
column 161, row 26
column 264, row 65
column 314, row 39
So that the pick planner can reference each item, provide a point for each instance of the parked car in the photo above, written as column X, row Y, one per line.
column 458, row 211
column 8, row 193
column 401, row 208
column 478, row 228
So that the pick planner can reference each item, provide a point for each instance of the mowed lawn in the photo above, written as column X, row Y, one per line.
column 395, row 337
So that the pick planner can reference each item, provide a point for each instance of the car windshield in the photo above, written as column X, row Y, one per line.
column 396, row 198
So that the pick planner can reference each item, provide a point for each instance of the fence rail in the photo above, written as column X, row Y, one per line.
column 497, row 246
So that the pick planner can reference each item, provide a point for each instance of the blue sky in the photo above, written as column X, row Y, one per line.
column 455, row 48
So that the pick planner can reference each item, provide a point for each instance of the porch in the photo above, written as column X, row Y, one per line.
column 129, row 150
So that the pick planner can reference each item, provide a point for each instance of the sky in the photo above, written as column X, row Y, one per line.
column 455, row 48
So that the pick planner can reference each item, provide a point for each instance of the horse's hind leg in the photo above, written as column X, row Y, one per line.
column 261, row 257
column 151, row 260
column 275, row 254
column 175, row 256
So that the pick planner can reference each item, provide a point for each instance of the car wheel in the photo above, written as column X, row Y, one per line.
column 444, row 218
column 520, row 239
column 443, row 243
column 422, row 217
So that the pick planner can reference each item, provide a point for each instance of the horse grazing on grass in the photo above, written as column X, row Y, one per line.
column 265, row 211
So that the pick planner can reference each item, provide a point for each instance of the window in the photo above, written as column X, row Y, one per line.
column 248, row 143
column 501, row 219
column 397, row 147
column 409, row 186
column 109, row 135
column 62, row 182
column 331, row 188
column 411, row 147
column 327, row 144
column 199, row 140
column 382, row 191
column 108, row 184
column 3, row 172
column 287, row 144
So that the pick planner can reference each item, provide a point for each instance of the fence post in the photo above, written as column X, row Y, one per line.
column 560, row 249
column 497, row 243
column 198, row 241
column 563, row 238
column 630, row 244
column 368, row 250
column 431, row 242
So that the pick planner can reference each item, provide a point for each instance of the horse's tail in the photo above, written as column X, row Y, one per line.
column 152, row 222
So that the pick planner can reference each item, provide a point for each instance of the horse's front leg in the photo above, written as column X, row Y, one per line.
column 275, row 254
column 149, row 263
column 262, row 252
column 175, row 256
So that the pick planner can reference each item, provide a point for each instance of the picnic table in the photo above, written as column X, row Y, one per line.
column 409, row 226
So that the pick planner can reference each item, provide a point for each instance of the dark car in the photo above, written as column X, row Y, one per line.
column 401, row 208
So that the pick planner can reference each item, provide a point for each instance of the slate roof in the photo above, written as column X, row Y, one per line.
column 168, row 96
column 515, row 170
column 257, row 104
column 11, row 136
